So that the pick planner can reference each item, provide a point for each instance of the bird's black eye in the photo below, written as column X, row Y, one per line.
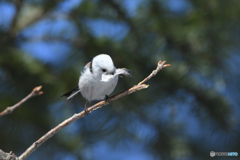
column 104, row 70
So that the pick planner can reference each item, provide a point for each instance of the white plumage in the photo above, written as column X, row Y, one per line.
column 98, row 79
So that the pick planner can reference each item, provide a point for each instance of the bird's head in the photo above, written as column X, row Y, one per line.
column 103, row 65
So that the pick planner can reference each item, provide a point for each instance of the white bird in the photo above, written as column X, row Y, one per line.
column 98, row 79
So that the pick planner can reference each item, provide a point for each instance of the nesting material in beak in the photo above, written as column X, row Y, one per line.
column 119, row 71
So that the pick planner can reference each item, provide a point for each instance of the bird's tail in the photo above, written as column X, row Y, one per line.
column 71, row 93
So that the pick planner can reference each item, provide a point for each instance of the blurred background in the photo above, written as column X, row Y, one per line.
column 190, row 108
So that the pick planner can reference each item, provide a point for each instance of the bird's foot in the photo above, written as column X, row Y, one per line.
column 106, row 99
column 86, row 108
column 86, row 111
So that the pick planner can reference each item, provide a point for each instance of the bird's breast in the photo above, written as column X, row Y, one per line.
column 92, row 88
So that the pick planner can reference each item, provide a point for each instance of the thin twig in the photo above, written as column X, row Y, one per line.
column 161, row 65
column 77, row 116
column 35, row 92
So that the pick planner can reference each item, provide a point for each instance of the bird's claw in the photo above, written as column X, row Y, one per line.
column 86, row 108
column 86, row 111
column 106, row 99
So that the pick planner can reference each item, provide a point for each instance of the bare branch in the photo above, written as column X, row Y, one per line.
column 161, row 65
column 35, row 92
column 77, row 116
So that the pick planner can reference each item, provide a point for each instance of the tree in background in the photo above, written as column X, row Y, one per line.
column 191, row 110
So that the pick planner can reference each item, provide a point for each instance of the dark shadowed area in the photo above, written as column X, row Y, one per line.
column 190, row 108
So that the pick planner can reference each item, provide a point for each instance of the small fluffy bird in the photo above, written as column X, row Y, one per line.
column 98, row 79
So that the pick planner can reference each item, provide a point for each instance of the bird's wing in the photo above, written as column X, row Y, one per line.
column 89, row 65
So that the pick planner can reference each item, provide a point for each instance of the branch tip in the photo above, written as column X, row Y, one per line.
column 166, row 65
column 37, row 91
column 162, row 64
column 41, row 92
column 145, row 85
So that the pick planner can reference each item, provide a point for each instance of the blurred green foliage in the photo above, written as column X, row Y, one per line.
column 190, row 109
